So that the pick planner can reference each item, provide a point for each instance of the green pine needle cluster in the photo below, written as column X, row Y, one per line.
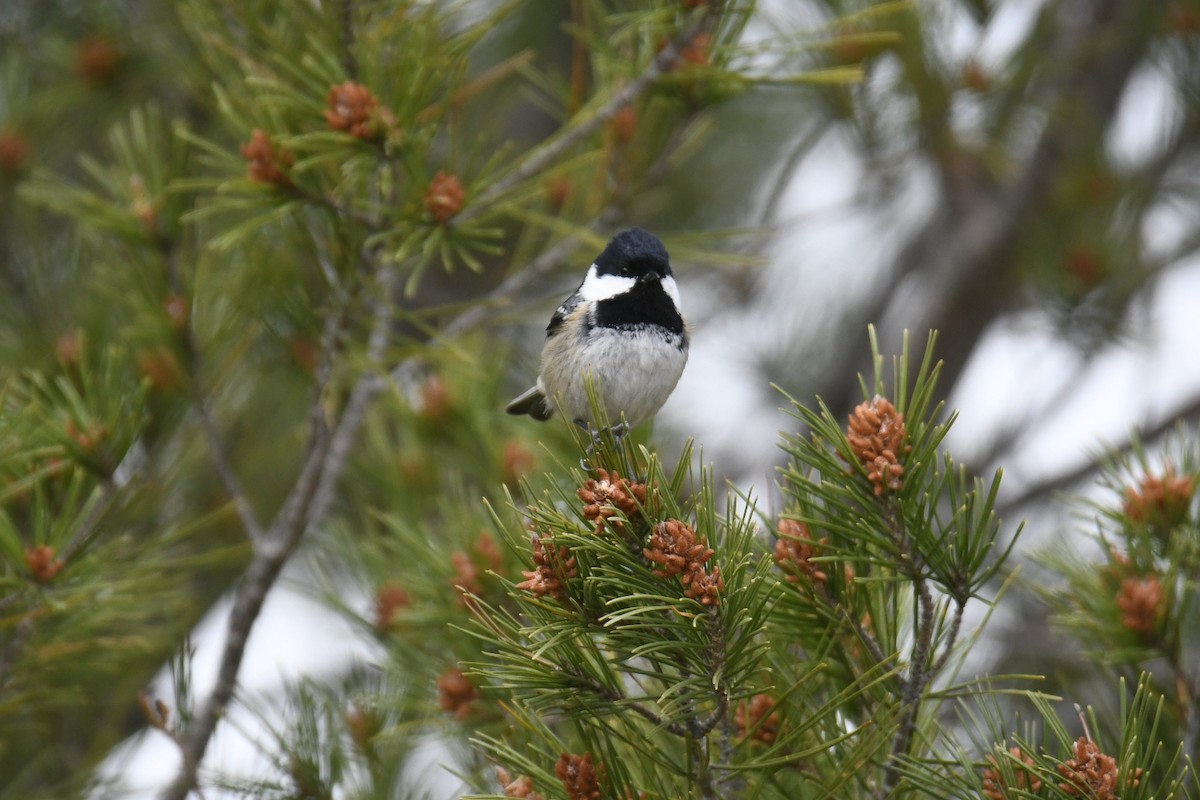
column 253, row 326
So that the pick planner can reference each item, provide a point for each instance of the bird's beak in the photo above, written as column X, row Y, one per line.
column 649, row 276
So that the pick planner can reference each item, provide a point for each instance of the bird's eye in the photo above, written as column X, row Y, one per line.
column 626, row 271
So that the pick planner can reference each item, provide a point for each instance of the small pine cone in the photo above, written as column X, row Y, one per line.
column 994, row 787
column 675, row 547
column 445, row 196
column 516, row 460
column 363, row 725
column 437, row 400
column 558, row 191
column 1090, row 773
column 42, row 564
column 757, row 719
column 14, row 151
column 353, row 109
column 265, row 164
column 553, row 567
column 703, row 586
column 1141, row 602
column 609, row 495
column 624, row 124
column 456, row 693
column 88, row 438
column 161, row 368
column 466, row 575
column 1160, row 501
column 389, row 599
column 520, row 787
column 177, row 309
column 876, row 434
column 1118, row 561
column 156, row 712
column 697, row 50
column 794, row 550
column 96, row 59
column 488, row 550
column 579, row 776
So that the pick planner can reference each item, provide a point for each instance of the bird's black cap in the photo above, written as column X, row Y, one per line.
column 636, row 249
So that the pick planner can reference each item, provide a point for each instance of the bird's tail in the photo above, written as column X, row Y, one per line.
column 532, row 402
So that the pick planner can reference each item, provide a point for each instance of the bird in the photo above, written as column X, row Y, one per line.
column 623, row 330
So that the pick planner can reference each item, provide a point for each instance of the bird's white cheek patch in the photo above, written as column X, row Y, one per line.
column 603, row 287
column 668, row 285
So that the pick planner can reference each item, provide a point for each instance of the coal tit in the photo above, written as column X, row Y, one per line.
column 624, row 327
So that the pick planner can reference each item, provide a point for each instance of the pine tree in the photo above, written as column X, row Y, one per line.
column 262, row 264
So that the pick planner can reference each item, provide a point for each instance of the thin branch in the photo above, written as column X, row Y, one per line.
column 951, row 638
column 260, row 576
column 108, row 496
column 1189, row 411
column 361, row 396
column 547, row 154
column 1012, row 436
column 532, row 273
column 867, row 639
column 194, row 358
column 620, row 698
column 298, row 512
column 912, row 686
column 220, row 459
column 716, row 667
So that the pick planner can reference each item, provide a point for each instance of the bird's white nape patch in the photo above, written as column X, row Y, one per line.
column 668, row 285
column 603, row 287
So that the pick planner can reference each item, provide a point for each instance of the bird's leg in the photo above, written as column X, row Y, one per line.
column 595, row 436
column 618, row 431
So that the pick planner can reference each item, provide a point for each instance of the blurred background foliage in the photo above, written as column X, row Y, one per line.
column 269, row 270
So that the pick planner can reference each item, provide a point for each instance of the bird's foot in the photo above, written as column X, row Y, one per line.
column 618, row 433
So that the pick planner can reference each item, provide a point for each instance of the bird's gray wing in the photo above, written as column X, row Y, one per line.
column 562, row 312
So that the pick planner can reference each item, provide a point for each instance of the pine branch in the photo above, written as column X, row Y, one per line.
column 662, row 63
column 314, row 490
